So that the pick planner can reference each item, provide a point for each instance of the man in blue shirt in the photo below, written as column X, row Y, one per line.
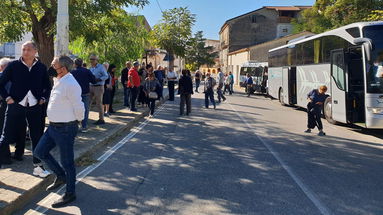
column 231, row 83
column 84, row 77
column 97, row 89
column 249, row 84
column 316, row 99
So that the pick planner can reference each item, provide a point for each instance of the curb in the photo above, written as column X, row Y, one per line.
column 28, row 195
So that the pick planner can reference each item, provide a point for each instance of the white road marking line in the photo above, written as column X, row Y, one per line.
column 306, row 190
column 46, row 202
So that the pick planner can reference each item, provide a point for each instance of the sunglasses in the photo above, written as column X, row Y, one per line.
column 92, row 59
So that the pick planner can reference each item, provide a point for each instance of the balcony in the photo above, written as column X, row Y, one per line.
column 284, row 19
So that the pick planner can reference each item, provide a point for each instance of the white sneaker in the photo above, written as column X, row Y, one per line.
column 39, row 171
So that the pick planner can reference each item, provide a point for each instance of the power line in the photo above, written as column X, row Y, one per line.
column 159, row 6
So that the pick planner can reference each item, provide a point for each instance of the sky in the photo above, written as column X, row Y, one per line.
column 211, row 14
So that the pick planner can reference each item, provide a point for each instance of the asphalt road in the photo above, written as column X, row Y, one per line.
column 249, row 156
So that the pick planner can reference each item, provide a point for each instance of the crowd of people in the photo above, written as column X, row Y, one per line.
column 64, row 93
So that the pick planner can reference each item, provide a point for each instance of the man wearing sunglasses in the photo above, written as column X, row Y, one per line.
column 97, row 89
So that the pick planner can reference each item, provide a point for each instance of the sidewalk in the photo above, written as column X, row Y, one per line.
column 18, row 185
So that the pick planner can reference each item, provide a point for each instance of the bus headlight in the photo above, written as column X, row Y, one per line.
column 375, row 110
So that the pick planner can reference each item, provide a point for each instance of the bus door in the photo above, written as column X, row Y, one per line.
column 355, row 92
column 293, row 85
column 338, row 86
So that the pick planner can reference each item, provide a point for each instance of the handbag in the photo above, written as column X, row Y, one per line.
column 153, row 95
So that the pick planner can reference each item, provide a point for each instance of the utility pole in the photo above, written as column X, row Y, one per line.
column 62, row 36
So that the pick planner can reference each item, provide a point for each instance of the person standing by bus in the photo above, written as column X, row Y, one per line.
column 249, row 84
column 316, row 99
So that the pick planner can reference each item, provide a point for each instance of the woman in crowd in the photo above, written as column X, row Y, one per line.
column 141, row 94
column 114, row 83
column 152, row 89
column 107, row 97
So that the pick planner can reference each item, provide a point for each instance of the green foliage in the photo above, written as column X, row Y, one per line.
column 330, row 14
column 123, row 38
column 197, row 54
column 39, row 17
column 174, row 30
column 376, row 15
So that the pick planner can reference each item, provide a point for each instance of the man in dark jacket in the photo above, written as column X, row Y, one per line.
column 30, row 89
column 185, row 90
column 124, row 82
column 84, row 77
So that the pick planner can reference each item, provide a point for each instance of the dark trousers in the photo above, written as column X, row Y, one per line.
column 185, row 99
column 197, row 83
column 16, row 118
column 152, row 105
column 133, row 97
column 227, row 87
column 171, row 90
column 3, row 108
column 219, row 93
column 112, row 98
column 249, row 89
column 63, row 136
column 314, row 113
column 209, row 94
column 126, row 96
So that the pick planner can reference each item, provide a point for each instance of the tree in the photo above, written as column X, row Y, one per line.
column 39, row 17
column 123, row 38
column 197, row 53
column 173, row 32
column 330, row 14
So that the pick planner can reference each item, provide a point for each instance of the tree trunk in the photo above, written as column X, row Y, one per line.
column 171, row 62
column 45, row 44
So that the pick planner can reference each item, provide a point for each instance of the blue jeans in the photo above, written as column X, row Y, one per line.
column 63, row 136
column 126, row 96
column 86, row 101
column 209, row 94
column 197, row 83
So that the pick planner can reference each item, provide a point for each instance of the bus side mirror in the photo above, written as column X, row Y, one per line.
column 367, row 45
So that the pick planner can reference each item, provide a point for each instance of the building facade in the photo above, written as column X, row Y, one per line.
column 256, row 27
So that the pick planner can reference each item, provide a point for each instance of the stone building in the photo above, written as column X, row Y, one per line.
column 256, row 27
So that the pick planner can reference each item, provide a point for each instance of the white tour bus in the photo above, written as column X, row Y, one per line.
column 348, row 60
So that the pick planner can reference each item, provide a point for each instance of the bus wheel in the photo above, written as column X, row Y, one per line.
column 327, row 111
column 281, row 96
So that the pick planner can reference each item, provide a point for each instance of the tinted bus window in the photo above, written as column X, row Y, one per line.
column 308, row 52
column 354, row 32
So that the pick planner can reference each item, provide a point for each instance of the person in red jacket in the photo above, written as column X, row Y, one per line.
column 133, row 84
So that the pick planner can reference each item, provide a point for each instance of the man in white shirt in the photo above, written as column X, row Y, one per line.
column 65, row 110
column 172, row 77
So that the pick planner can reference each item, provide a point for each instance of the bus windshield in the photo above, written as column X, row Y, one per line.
column 375, row 67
